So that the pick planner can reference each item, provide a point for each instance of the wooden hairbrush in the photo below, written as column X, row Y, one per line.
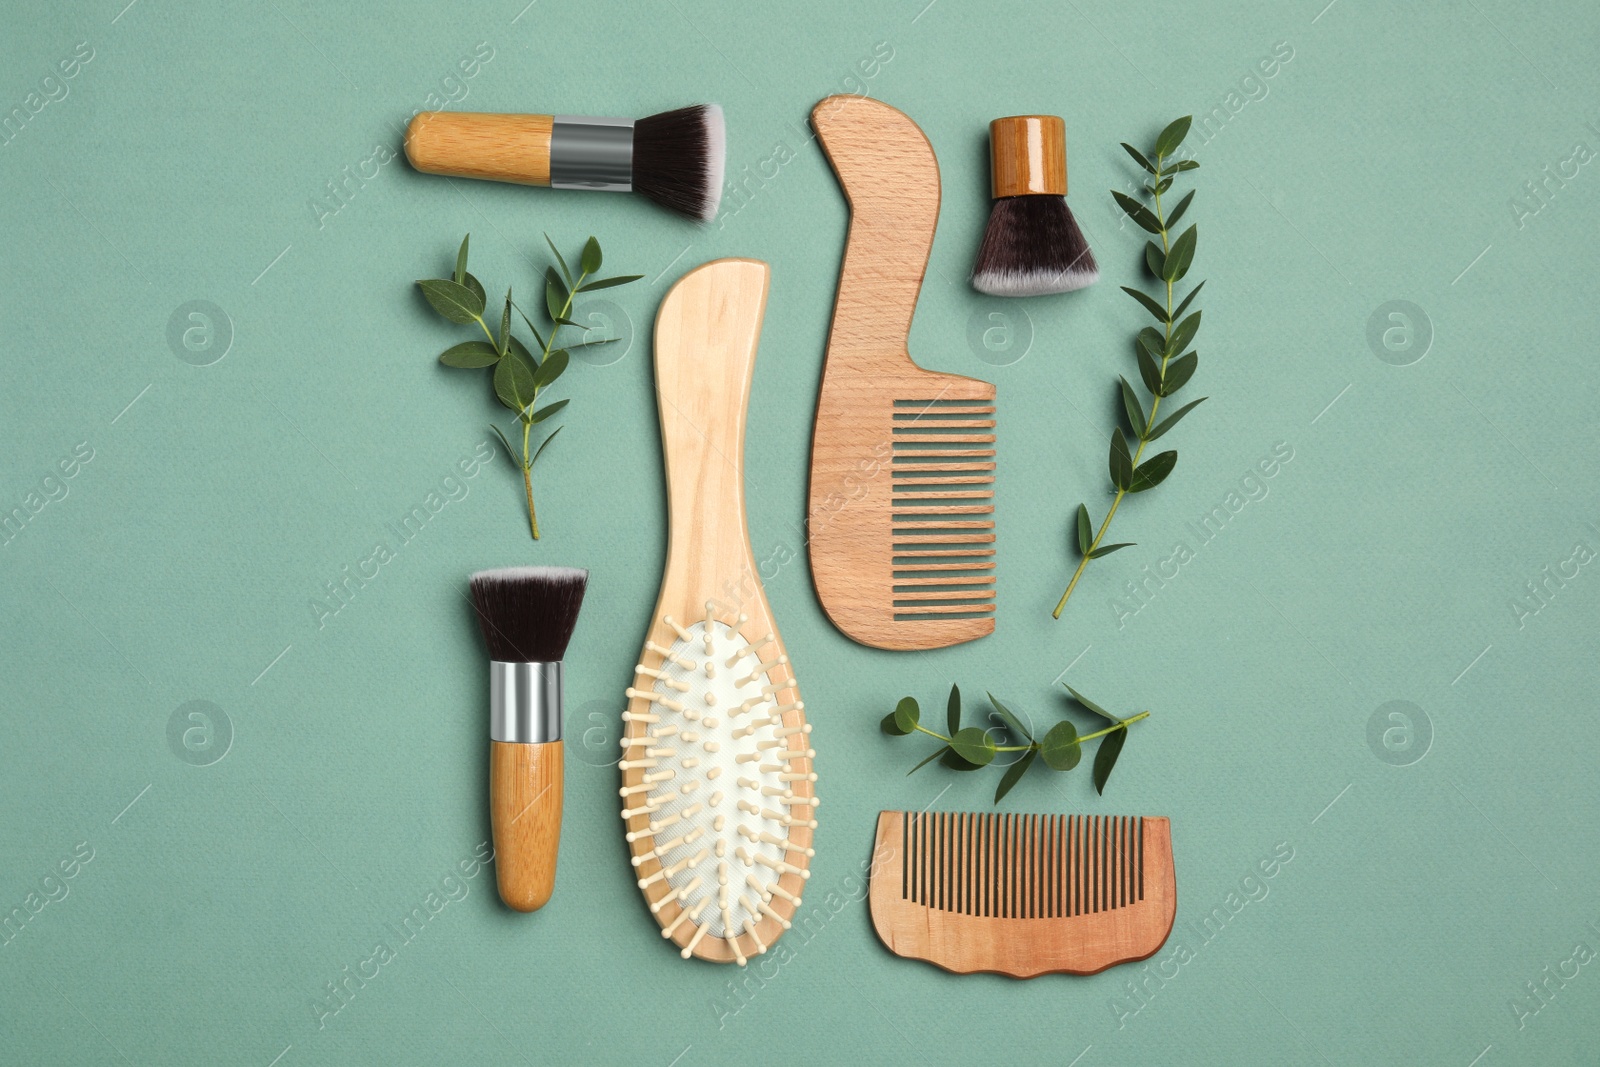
column 1023, row 895
column 901, row 523
column 717, row 788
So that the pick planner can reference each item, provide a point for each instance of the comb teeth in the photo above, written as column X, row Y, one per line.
column 1022, row 866
column 943, row 507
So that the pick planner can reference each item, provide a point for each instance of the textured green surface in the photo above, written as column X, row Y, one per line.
column 1382, row 562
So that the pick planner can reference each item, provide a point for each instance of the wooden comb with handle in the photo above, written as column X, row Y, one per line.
column 901, row 526
column 1022, row 895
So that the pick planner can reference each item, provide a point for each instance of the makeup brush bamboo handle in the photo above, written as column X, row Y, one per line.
column 525, row 818
column 502, row 148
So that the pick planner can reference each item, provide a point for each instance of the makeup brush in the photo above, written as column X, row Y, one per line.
column 674, row 158
column 1033, row 245
column 527, row 615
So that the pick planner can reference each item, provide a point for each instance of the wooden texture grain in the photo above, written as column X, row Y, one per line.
column 502, row 148
column 902, row 459
column 705, row 348
column 1028, row 156
column 1022, row 895
column 525, row 819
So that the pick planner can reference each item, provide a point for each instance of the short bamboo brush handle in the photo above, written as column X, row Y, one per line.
column 525, row 818
column 502, row 148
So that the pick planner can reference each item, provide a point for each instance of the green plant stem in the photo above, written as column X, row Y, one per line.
column 526, row 414
column 1025, row 748
column 1149, row 422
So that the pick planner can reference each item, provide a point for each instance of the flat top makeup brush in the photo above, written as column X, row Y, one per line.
column 1033, row 245
column 674, row 158
column 527, row 615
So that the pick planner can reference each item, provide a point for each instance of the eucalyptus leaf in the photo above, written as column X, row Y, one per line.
column 555, row 295
column 1060, row 748
column 940, row 751
column 544, row 445
column 1149, row 304
column 1137, row 212
column 1149, row 370
column 545, row 412
column 1179, row 371
column 477, row 289
column 974, row 745
column 470, row 354
column 1152, row 341
column 505, row 323
column 1121, row 463
column 591, row 256
column 1085, row 534
column 1152, row 472
column 952, row 709
column 1091, row 705
column 1105, row 757
column 1138, row 157
column 522, row 350
column 1172, row 420
column 1106, row 550
column 1184, row 305
column 513, row 381
column 566, row 272
column 1012, row 722
column 1134, row 410
column 907, row 715
column 452, row 300
column 1182, row 254
column 537, row 336
column 1183, row 205
column 1155, row 259
column 1183, row 333
column 1187, row 164
column 1014, row 774
column 1160, row 187
column 1171, row 137
column 551, row 368
column 606, row 283
column 461, row 261
column 511, row 453
column 955, row 761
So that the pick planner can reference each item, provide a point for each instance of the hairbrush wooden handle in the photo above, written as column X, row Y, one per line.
column 705, row 350
column 525, row 818
column 502, row 148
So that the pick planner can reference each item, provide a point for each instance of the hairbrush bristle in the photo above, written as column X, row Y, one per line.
column 678, row 160
column 527, row 613
column 1033, row 246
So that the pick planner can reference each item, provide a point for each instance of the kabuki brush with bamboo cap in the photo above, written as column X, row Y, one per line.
column 1033, row 245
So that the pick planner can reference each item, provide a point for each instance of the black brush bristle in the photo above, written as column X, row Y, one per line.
column 678, row 159
column 528, row 613
column 1033, row 246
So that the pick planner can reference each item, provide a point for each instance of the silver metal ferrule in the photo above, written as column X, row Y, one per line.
column 524, row 702
column 591, row 153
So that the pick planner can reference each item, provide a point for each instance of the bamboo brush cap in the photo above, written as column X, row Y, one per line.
column 1028, row 155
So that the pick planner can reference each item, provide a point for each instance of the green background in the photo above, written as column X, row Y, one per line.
column 1381, row 162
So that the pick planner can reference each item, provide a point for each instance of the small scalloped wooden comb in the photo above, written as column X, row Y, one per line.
column 901, row 526
column 1023, row 895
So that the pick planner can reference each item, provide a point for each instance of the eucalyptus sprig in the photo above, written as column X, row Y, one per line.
column 520, row 376
column 1164, row 366
column 966, row 748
